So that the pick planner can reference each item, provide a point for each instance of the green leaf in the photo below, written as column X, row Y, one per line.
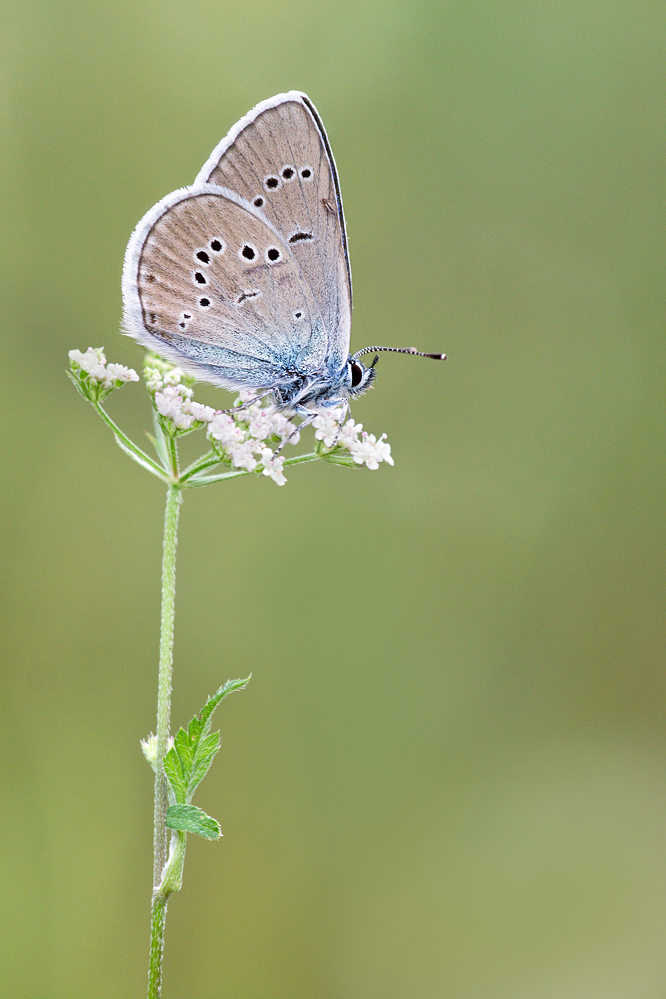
column 194, row 730
column 208, row 746
column 203, row 758
column 174, row 774
column 189, row 818
column 206, row 713
column 182, row 745
column 188, row 761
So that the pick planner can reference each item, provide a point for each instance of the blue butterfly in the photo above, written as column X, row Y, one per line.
column 243, row 279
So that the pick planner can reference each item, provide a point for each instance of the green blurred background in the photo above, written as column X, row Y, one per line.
column 447, row 779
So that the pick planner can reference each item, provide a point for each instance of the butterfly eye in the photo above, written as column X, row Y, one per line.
column 271, row 183
column 217, row 246
column 288, row 172
column 356, row 374
column 204, row 303
column 202, row 256
column 248, row 252
column 273, row 255
column 258, row 202
column 306, row 173
column 200, row 278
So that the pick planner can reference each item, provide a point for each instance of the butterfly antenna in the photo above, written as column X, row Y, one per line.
column 396, row 350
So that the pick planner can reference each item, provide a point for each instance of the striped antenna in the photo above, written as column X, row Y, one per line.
column 397, row 350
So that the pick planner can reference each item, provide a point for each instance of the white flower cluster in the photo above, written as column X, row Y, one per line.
column 159, row 373
column 173, row 398
column 175, row 403
column 93, row 364
column 366, row 451
column 242, row 437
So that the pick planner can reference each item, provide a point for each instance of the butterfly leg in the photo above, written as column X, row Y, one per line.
column 245, row 405
column 307, row 416
column 341, row 422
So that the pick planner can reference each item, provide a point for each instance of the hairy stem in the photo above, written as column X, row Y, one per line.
column 172, row 879
column 158, row 917
column 173, row 502
column 157, row 923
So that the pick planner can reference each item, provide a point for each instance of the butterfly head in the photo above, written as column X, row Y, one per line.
column 357, row 377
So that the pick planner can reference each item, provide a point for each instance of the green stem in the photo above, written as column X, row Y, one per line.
column 157, row 923
column 174, row 497
column 172, row 879
column 205, row 480
column 300, row 458
column 208, row 460
column 200, row 465
column 129, row 444
column 172, row 450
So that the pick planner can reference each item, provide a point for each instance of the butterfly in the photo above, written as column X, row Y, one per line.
column 243, row 279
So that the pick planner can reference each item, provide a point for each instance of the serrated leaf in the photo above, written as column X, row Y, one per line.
column 175, row 764
column 206, row 712
column 189, row 818
column 203, row 758
column 174, row 774
column 183, row 746
column 207, row 746
column 194, row 730
column 188, row 762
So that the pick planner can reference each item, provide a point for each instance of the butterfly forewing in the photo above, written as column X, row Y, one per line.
column 278, row 158
column 215, row 280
